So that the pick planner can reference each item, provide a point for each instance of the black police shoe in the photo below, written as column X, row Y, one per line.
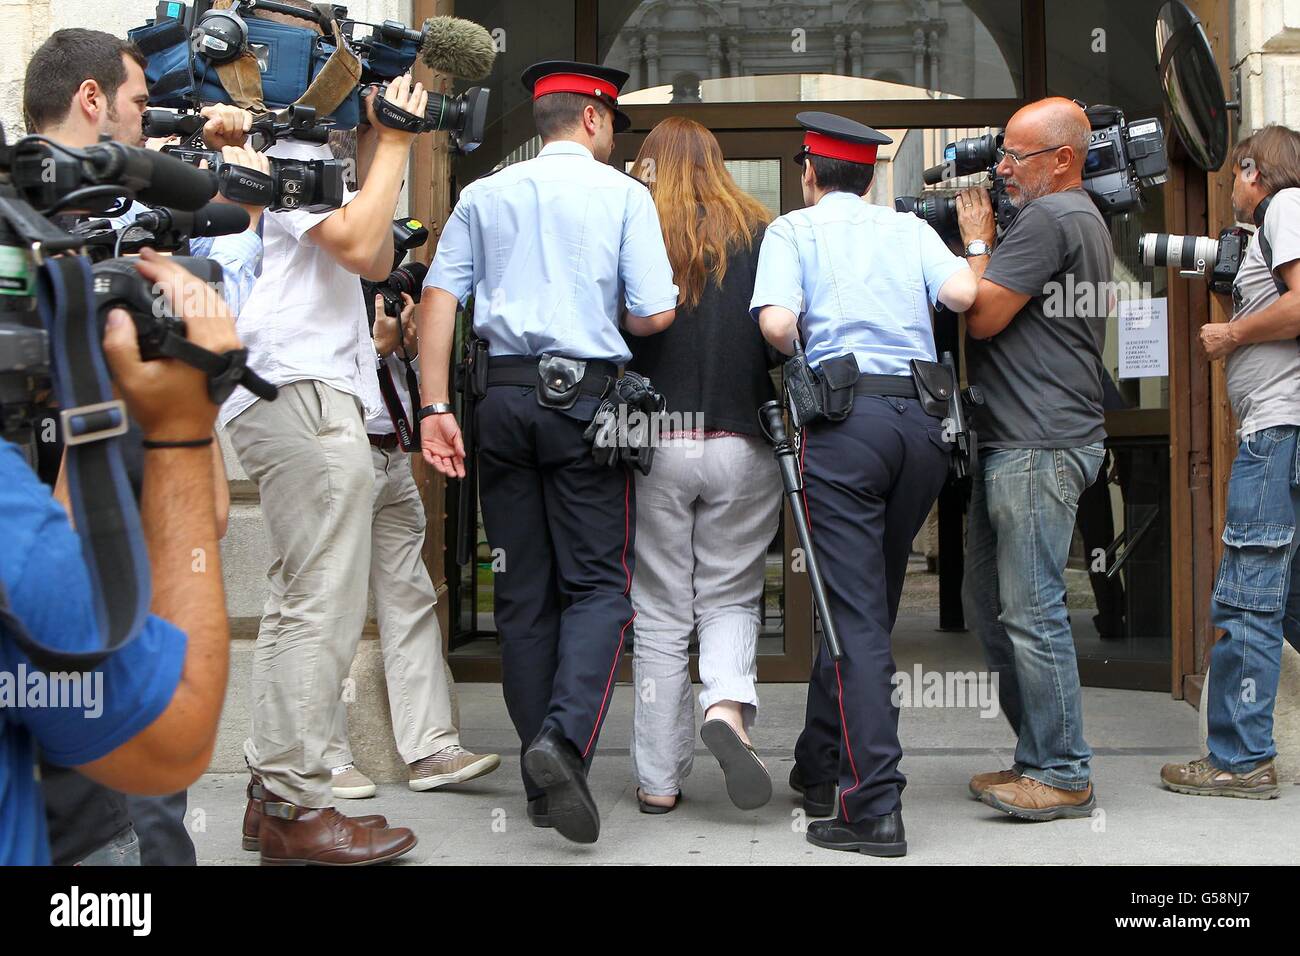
column 538, row 815
column 874, row 836
column 554, row 765
column 818, row 798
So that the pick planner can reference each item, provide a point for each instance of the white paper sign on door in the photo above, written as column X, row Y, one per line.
column 1143, row 338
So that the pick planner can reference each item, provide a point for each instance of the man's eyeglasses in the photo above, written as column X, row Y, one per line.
column 1018, row 159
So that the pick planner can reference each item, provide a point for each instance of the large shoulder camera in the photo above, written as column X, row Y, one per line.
column 293, row 184
column 191, row 49
column 40, row 179
column 1123, row 158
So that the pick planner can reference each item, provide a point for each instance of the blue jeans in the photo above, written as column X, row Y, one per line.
column 122, row 850
column 1256, row 598
column 1018, row 533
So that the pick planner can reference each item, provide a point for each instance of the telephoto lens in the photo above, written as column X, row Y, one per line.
column 1184, row 253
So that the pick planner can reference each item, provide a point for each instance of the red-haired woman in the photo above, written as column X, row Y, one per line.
column 708, row 511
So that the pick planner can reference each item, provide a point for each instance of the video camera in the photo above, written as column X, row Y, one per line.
column 198, row 55
column 1123, row 158
column 43, row 304
column 293, row 184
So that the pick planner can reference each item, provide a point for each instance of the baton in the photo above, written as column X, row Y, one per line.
column 771, row 420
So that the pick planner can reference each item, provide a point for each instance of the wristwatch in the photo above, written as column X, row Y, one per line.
column 977, row 247
column 437, row 408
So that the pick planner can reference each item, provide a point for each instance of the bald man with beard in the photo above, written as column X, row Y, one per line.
column 1034, row 342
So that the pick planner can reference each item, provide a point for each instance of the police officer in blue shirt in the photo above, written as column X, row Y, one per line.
column 856, row 282
column 561, row 252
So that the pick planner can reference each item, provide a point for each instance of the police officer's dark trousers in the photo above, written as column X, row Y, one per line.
column 561, row 530
column 870, row 482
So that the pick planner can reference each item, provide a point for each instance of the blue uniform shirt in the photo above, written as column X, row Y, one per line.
column 553, row 248
column 861, row 278
column 49, row 591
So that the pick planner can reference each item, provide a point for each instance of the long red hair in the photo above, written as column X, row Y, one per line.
column 704, row 215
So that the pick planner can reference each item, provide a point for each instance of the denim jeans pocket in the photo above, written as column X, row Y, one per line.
column 1256, row 565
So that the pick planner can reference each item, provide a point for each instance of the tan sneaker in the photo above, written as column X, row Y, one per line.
column 1030, row 799
column 1203, row 779
column 452, row 764
column 349, row 783
column 982, row 781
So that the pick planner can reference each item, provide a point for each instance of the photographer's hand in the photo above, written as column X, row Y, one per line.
column 169, row 399
column 226, row 126
column 410, row 328
column 1218, row 340
column 975, row 216
column 249, row 159
column 406, row 94
column 385, row 331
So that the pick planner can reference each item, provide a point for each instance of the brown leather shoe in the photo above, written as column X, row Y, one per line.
column 1201, row 778
column 253, row 816
column 982, row 781
column 1030, row 799
column 299, row 836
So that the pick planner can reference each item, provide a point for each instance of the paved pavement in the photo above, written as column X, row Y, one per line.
column 1132, row 734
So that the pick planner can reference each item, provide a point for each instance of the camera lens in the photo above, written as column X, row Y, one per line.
column 1184, row 253
column 409, row 279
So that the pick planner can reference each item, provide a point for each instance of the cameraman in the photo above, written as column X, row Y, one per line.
column 1041, row 431
column 308, row 454
column 161, row 696
column 82, row 85
column 1257, row 593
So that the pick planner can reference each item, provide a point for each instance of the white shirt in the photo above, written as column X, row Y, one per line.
column 305, row 318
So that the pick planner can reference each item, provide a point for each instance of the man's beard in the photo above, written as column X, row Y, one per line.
column 1027, row 192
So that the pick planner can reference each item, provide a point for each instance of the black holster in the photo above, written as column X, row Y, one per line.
column 825, row 392
column 941, row 395
column 625, row 427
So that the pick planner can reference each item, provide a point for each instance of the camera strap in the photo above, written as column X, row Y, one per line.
column 1265, row 248
column 103, row 506
column 339, row 77
column 395, row 117
column 393, row 402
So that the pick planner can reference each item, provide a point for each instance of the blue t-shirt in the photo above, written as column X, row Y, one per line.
column 49, row 591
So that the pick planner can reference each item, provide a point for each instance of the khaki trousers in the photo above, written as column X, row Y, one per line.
column 307, row 451
column 419, row 691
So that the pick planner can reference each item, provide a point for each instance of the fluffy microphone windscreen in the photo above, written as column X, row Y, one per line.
column 459, row 47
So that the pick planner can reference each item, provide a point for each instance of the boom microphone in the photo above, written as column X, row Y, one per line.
column 459, row 47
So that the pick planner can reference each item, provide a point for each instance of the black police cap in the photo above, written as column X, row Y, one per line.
column 838, row 137
column 602, row 83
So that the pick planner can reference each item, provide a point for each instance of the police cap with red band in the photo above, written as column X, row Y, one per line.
column 838, row 138
column 602, row 83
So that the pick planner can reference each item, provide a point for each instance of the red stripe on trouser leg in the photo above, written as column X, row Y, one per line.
column 844, row 727
column 848, row 747
column 613, row 668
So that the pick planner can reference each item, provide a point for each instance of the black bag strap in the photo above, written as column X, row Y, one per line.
column 1266, row 248
column 103, row 506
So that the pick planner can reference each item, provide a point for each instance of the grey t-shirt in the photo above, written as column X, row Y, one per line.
column 1264, row 378
column 1041, row 375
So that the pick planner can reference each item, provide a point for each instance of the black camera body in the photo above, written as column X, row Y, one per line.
column 965, row 157
column 1198, row 257
column 294, row 184
column 408, row 234
column 117, row 284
